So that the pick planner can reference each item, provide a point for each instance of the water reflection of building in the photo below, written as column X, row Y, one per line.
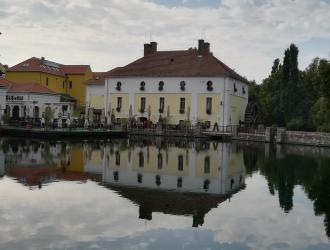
column 173, row 179
column 209, row 168
column 35, row 163
column 179, row 178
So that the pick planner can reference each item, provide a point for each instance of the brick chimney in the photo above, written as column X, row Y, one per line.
column 146, row 49
column 203, row 47
column 150, row 48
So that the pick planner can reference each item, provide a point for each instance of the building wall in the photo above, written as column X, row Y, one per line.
column 31, row 100
column 113, row 104
column 55, row 83
column 3, row 93
column 78, row 90
column 95, row 96
column 195, row 93
column 216, row 108
column 226, row 172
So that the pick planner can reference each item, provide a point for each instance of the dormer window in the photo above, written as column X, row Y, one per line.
column 235, row 89
column 142, row 85
column 118, row 87
column 209, row 85
column 161, row 86
column 182, row 85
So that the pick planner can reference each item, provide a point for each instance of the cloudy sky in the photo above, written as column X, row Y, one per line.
column 247, row 35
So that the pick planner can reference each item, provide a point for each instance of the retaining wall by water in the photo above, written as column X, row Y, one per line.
column 306, row 138
column 282, row 136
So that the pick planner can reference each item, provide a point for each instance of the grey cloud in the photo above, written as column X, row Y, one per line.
column 111, row 33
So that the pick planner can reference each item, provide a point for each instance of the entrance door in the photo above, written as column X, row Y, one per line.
column 15, row 113
column 36, row 112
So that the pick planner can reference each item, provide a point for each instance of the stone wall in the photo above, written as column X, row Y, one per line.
column 306, row 138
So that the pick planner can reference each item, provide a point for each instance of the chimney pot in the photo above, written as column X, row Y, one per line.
column 200, row 46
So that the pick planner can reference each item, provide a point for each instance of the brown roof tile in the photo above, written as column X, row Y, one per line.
column 98, row 78
column 41, row 65
column 30, row 88
column 4, row 83
column 74, row 69
column 176, row 63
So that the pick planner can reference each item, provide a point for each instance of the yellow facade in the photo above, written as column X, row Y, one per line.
column 76, row 163
column 78, row 89
column 123, row 113
column 56, row 83
column 215, row 113
column 172, row 101
column 214, row 164
column 237, row 109
column 96, row 101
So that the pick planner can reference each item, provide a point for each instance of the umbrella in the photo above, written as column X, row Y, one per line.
column 102, row 117
column 90, row 115
column 168, row 113
column 59, row 123
column 68, row 122
column 149, row 112
column 130, row 113
column 86, row 125
column 188, row 113
column 109, row 119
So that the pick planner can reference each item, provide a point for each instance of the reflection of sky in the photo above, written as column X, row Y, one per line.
column 72, row 215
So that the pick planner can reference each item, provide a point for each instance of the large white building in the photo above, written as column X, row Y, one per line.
column 178, row 85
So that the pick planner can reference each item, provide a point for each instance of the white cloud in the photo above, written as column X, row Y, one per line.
column 107, row 34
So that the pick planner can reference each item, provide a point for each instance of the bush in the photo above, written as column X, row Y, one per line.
column 5, row 118
column 296, row 123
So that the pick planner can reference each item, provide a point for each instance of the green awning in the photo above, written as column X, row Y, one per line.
column 67, row 98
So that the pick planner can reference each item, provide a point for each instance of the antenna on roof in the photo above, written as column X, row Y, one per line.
column 203, row 34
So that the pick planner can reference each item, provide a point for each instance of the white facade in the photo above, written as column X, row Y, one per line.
column 3, row 93
column 33, row 105
column 223, row 87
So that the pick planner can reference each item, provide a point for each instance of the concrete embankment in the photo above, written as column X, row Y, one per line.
column 282, row 136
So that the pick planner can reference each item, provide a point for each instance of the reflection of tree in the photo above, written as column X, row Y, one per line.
column 311, row 173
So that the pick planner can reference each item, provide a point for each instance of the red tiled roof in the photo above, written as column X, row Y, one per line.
column 41, row 65
column 98, row 78
column 30, row 88
column 4, row 83
column 176, row 63
column 74, row 69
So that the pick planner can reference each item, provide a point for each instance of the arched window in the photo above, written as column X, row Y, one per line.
column 118, row 87
column 142, row 86
column 182, row 85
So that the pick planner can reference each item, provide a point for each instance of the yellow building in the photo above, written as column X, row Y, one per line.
column 65, row 79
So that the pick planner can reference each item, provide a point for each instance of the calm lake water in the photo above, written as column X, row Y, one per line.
column 162, row 194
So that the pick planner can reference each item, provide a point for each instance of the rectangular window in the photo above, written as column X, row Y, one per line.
column 161, row 104
column 182, row 104
column 63, row 84
column 180, row 163
column 160, row 161
column 117, row 158
column 46, row 81
column 207, row 165
column 141, row 160
column 209, row 105
column 119, row 103
column 143, row 104
column 70, row 84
